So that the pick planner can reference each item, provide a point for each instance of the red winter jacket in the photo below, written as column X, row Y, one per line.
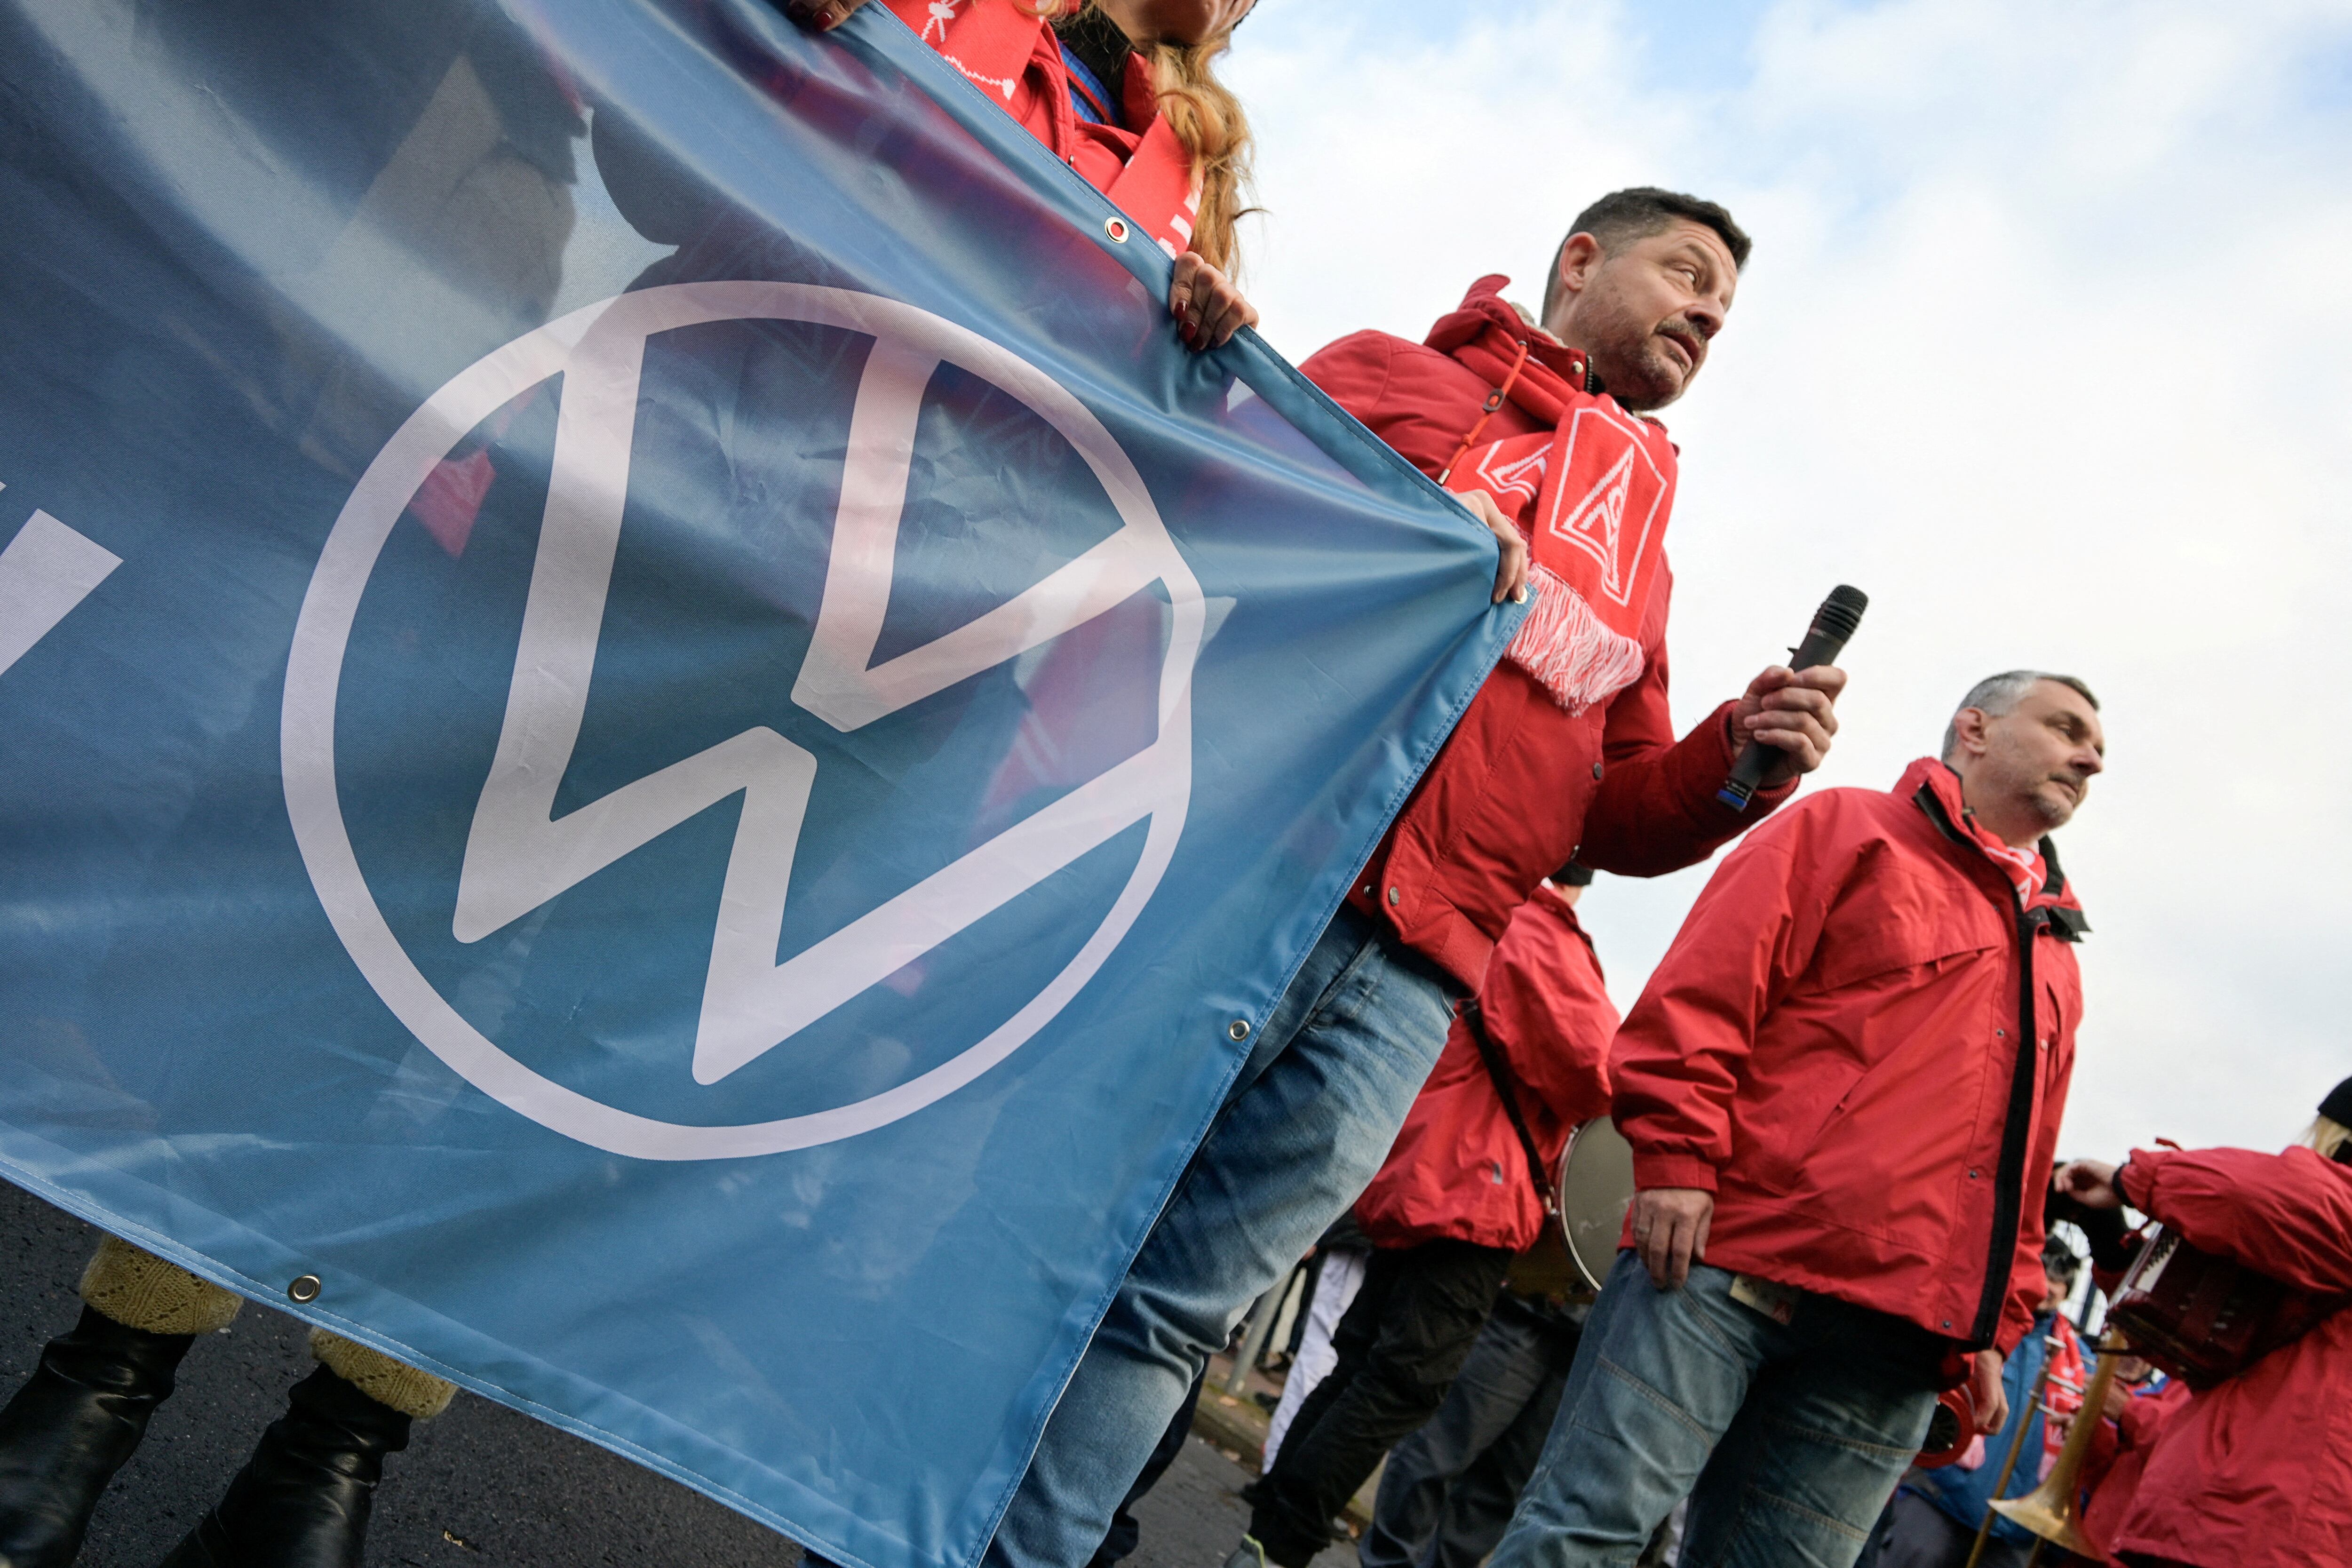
column 1014, row 60
column 1458, row 1169
column 1522, row 786
column 2255, row 1472
column 1833, row 1047
column 2119, row 1456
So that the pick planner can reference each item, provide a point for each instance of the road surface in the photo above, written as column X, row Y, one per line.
column 480, row 1487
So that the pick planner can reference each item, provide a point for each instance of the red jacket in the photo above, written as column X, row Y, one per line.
column 2119, row 1456
column 1832, row 1047
column 2255, row 1472
column 1523, row 787
column 1012, row 56
column 1458, row 1169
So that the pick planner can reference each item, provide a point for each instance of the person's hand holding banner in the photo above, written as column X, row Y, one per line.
column 684, row 823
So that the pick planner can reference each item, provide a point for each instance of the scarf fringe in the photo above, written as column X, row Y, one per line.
column 1577, row 658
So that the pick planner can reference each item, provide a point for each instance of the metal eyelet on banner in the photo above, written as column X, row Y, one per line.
column 1238, row 1029
column 1116, row 228
column 304, row 1288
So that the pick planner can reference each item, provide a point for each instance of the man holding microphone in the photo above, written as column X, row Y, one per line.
column 1843, row 1086
column 1567, row 752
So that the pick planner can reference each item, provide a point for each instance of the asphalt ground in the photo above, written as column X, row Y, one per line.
column 1194, row 1520
column 480, row 1485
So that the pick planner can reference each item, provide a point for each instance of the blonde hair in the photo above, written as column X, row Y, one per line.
column 2326, row 1137
column 1207, row 118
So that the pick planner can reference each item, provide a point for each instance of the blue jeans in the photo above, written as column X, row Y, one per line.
column 1449, row 1489
column 1788, row 1439
column 1915, row 1533
column 1300, row 1136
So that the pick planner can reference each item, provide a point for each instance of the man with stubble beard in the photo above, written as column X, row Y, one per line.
column 1567, row 752
column 1843, row 1085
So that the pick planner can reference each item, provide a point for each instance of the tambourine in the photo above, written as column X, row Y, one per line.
column 1594, row 1187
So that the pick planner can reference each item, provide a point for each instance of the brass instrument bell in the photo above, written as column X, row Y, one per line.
column 2053, row 1510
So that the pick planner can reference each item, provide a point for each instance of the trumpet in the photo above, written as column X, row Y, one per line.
column 2053, row 1510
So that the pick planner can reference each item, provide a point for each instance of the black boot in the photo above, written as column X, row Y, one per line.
column 70, row 1427
column 302, row 1500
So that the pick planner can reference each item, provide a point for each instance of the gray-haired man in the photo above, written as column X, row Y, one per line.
column 1843, row 1086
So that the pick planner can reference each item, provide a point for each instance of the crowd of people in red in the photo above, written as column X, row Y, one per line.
column 1844, row 1087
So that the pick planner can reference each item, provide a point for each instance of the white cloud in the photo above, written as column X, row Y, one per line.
column 2044, row 346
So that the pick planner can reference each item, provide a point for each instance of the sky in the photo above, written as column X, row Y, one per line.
column 2043, row 344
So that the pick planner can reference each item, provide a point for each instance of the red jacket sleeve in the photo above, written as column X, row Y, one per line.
column 2145, row 1419
column 2106, row 1447
column 2136, row 1431
column 2288, row 1215
column 1656, row 810
column 1678, row 1059
column 1547, row 1008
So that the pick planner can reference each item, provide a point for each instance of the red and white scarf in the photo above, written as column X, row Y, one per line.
column 1593, row 496
column 2025, row 867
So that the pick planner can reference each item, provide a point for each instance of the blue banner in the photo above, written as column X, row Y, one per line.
column 650, row 719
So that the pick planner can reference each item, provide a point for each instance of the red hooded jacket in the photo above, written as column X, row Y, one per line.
column 1523, row 787
column 1458, row 1169
column 1860, row 1043
column 2255, row 1472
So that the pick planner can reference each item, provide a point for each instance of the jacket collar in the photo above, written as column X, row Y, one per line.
column 1484, row 308
column 1936, row 789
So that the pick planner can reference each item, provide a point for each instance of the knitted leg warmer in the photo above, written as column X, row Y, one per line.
column 78, row 1418
column 139, row 1290
column 417, row 1394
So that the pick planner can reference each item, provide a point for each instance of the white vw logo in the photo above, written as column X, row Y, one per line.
column 518, row 855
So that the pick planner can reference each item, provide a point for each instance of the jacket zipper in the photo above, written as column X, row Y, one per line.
column 2008, row 1175
column 2008, row 1198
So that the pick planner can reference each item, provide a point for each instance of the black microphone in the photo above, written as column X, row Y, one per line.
column 1833, row 623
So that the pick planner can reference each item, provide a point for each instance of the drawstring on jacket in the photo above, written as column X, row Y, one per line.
column 1494, row 401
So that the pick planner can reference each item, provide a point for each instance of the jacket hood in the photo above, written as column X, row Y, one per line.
column 1484, row 306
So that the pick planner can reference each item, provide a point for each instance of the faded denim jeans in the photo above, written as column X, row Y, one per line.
column 1787, row 1438
column 1449, row 1489
column 1300, row 1136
